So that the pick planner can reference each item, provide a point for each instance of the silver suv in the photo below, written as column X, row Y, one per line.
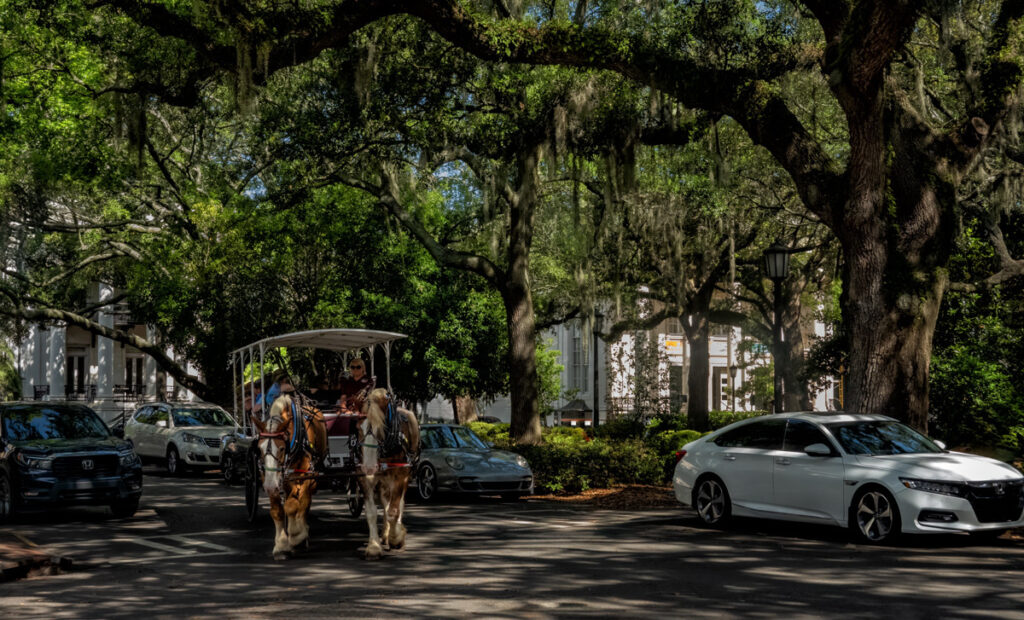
column 184, row 435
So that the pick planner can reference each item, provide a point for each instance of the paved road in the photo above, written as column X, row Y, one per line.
column 190, row 552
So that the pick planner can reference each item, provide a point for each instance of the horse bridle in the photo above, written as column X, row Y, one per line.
column 278, row 456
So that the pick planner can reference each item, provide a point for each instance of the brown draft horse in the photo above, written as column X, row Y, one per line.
column 390, row 476
column 289, row 459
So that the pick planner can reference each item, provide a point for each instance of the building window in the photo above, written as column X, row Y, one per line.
column 76, row 373
column 133, row 377
column 579, row 362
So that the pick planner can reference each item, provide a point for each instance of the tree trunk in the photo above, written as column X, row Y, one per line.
column 796, row 395
column 522, row 365
column 466, row 408
column 518, row 299
column 698, row 335
column 897, row 234
column 892, row 331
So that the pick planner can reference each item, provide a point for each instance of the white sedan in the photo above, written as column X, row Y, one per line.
column 866, row 472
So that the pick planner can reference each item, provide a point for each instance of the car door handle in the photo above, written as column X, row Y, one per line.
column 782, row 461
column 729, row 457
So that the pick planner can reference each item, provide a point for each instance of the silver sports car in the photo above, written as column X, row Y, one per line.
column 455, row 459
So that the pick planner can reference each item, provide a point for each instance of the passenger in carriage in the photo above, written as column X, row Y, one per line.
column 356, row 388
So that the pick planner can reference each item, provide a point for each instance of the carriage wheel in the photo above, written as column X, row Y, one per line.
column 252, row 498
column 252, row 490
column 355, row 497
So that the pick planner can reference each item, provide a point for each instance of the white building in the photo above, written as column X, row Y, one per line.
column 70, row 363
column 658, row 359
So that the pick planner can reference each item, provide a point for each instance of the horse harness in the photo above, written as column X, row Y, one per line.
column 295, row 444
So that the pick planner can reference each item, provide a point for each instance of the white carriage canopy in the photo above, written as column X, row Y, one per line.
column 345, row 341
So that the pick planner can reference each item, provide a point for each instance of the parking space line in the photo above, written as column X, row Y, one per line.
column 164, row 559
column 162, row 547
column 189, row 541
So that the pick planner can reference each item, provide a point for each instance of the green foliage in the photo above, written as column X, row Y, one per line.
column 621, row 427
column 571, row 466
column 977, row 388
column 974, row 400
column 569, row 461
column 549, row 376
column 494, row 433
column 718, row 419
column 759, row 386
column 10, row 381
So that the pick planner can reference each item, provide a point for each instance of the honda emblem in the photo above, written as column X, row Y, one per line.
column 87, row 464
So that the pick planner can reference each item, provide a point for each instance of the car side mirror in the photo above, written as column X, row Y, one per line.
column 940, row 444
column 161, row 423
column 818, row 449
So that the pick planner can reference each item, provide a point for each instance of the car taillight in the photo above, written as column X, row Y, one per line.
column 680, row 454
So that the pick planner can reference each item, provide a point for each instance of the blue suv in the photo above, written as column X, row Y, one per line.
column 63, row 454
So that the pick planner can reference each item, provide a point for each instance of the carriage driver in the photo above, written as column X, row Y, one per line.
column 355, row 389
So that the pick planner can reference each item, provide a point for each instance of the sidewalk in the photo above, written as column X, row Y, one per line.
column 20, row 557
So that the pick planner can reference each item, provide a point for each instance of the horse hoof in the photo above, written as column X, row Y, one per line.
column 373, row 552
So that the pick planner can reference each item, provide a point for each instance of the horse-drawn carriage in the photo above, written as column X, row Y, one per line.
column 292, row 444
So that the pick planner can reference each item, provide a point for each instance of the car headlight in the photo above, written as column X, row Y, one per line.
column 190, row 438
column 955, row 489
column 39, row 463
column 454, row 462
column 129, row 459
column 521, row 461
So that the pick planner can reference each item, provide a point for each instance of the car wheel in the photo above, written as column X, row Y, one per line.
column 426, row 483
column 7, row 502
column 355, row 497
column 874, row 516
column 173, row 462
column 227, row 470
column 125, row 508
column 711, row 501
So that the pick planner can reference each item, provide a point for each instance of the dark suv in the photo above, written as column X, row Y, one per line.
column 63, row 454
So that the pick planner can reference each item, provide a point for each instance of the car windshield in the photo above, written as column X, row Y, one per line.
column 52, row 422
column 880, row 437
column 451, row 437
column 202, row 416
column 467, row 438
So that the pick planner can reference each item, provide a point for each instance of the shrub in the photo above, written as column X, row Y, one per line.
column 564, row 435
column 571, row 466
column 718, row 419
column 494, row 433
column 667, row 423
column 621, row 427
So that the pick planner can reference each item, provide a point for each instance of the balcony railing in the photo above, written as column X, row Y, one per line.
column 130, row 390
column 85, row 392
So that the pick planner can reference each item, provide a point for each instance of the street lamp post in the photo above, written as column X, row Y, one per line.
column 776, row 267
column 732, row 384
column 597, row 331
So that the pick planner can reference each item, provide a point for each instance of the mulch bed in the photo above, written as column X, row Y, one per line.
column 20, row 558
column 630, row 497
